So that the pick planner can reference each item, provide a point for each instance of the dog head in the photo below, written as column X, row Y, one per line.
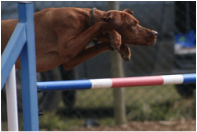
column 129, row 28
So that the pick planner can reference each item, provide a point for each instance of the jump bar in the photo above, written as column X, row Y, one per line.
column 117, row 82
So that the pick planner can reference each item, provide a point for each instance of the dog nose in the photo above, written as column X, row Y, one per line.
column 155, row 33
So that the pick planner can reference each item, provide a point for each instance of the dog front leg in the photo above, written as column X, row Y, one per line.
column 111, row 36
column 116, row 43
column 115, row 39
column 87, row 54
column 71, row 47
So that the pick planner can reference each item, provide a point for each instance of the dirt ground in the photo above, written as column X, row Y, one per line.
column 179, row 125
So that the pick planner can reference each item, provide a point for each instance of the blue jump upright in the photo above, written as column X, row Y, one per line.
column 28, row 70
column 22, row 42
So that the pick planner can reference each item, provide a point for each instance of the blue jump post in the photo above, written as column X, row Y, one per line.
column 23, row 41
column 28, row 69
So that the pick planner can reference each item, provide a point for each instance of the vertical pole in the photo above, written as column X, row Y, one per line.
column 28, row 70
column 11, row 95
column 117, row 71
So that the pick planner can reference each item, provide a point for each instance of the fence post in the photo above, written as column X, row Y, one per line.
column 117, row 71
column 28, row 69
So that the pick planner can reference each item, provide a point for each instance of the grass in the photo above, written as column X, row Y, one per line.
column 63, row 123
column 133, row 96
column 142, row 103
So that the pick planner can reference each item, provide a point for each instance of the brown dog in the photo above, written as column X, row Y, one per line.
column 62, row 35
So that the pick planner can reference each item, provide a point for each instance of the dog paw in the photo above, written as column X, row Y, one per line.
column 115, row 42
column 125, row 52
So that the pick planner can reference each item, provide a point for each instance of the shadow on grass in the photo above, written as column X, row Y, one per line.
column 86, row 112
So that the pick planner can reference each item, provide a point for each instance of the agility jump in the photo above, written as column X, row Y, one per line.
column 117, row 82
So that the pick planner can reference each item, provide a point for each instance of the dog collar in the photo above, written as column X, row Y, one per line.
column 92, row 23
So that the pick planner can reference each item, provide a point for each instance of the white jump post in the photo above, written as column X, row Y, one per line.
column 11, row 95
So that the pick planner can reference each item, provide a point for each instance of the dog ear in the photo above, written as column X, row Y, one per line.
column 113, row 19
column 128, row 11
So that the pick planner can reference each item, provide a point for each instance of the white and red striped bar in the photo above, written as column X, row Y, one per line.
column 117, row 82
